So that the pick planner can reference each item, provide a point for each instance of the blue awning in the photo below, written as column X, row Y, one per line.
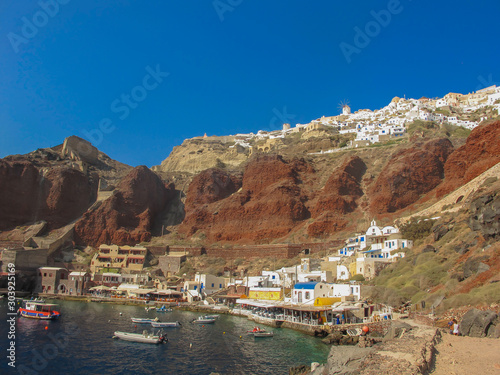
column 309, row 285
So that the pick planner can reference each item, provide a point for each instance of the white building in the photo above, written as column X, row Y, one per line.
column 209, row 284
column 306, row 293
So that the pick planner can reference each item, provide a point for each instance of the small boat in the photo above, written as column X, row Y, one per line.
column 255, row 330
column 204, row 320
column 39, row 310
column 165, row 324
column 163, row 309
column 150, row 308
column 263, row 334
column 144, row 320
column 144, row 337
column 211, row 316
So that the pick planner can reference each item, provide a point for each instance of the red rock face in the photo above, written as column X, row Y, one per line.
column 480, row 152
column 211, row 186
column 342, row 188
column 269, row 205
column 126, row 217
column 57, row 196
column 409, row 174
column 337, row 198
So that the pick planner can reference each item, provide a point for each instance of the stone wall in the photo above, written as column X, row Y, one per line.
column 381, row 327
column 193, row 251
column 157, row 250
column 321, row 247
column 280, row 251
column 24, row 260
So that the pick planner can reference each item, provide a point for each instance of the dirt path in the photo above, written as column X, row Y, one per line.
column 457, row 355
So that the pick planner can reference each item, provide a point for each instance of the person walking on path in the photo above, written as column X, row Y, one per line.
column 455, row 327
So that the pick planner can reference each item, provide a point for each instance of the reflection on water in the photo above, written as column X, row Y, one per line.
column 81, row 342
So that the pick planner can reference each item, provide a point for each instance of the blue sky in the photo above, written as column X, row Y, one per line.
column 138, row 77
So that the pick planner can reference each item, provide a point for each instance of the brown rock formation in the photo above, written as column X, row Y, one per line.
column 211, row 186
column 337, row 198
column 480, row 152
column 409, row 174
column 269, row 205
column 126, row 217
column 58, row 195
column 342, row 188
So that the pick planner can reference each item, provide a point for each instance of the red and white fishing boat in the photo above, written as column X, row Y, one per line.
column 39, row 310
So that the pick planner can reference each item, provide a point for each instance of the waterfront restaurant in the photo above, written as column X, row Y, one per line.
column 167, row 295
column 324, row 311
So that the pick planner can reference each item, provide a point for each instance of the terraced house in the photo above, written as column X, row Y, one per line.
column 119, row 258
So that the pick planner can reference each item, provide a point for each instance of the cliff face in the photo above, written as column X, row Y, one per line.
column 126, row 218
column 480, row 152
column 409, row 174
column 57, row 195
column 211, row 186
column 337, row 198
column 268, row 206
column 196, row 155
column 272, row 198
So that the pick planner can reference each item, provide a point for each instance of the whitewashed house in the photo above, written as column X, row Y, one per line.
column 442, row 103
column 305, row 293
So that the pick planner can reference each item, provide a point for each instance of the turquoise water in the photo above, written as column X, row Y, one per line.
column 80, row 342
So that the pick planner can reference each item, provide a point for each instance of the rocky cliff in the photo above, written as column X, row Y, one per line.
column 55, row 184
column 197, row 154
column 337, row 198
column 480, row 152
column 243, row 198
column 410, row 173
column 126, row 218
column 56, row 195
column 269, row 204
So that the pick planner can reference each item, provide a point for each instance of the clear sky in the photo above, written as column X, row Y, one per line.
column 136, row 78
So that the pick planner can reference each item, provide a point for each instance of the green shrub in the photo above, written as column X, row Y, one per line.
column 416, row 229
column 358, row 277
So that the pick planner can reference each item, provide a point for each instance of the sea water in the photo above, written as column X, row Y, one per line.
column 81, row 342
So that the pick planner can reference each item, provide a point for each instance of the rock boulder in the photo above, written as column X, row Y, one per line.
column 477, row 323
column 485, row 215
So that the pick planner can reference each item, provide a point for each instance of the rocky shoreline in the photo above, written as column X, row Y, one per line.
column 410, row 350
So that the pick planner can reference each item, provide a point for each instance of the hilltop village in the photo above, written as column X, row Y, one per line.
column 390, row 121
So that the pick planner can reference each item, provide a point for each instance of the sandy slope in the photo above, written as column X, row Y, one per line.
column 457, row 355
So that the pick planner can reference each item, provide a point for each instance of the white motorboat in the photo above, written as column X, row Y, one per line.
column 144, row 320
column 165, row 324
column 211, row 316
column 204, row 320
column 256, row 330
column 144, row 337
column 263, row 334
